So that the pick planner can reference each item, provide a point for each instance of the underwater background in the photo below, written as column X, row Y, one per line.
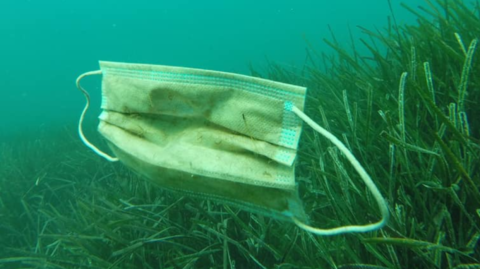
column 397, row 82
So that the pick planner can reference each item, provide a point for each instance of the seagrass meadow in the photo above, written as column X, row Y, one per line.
column 404, row 99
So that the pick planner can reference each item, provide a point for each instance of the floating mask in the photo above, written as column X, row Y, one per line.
column 216, row 135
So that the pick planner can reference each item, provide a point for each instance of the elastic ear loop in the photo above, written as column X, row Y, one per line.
column 82, row 116
column 363, row 174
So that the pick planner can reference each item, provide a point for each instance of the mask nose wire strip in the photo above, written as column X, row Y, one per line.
column 82, row 116
column 363, row 174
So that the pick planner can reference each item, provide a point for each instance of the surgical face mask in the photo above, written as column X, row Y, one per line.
column 214, row 135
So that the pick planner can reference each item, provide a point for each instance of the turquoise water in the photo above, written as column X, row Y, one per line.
column 45, row 45
column 62, row 206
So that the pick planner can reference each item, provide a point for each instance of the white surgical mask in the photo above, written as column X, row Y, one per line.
column 217, row 135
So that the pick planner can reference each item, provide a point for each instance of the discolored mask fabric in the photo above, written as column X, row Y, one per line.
column 217, row 135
